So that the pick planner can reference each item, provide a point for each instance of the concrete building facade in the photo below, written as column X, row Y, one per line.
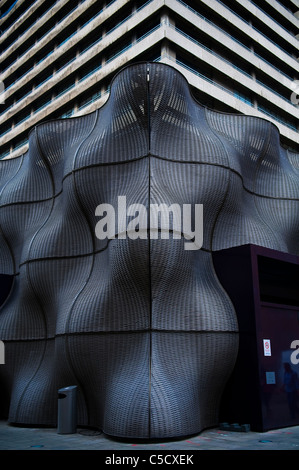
column 58, row 57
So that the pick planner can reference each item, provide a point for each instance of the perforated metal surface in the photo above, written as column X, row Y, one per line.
column 143, row 327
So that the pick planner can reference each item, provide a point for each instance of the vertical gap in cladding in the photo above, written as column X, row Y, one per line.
column 149, row 244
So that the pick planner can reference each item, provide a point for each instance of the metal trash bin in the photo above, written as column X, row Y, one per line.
column 67, row 410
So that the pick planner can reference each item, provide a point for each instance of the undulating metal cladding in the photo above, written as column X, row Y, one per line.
column 138, row 321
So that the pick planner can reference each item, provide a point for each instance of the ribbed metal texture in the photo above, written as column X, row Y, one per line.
column 143, row 326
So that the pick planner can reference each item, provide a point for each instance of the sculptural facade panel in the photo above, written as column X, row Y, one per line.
column 142, row 326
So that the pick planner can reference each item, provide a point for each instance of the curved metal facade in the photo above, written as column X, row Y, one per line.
column 143, row 326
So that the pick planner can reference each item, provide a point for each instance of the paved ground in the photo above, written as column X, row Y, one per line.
column 18, row 438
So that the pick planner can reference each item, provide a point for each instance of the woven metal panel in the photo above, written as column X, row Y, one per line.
column 142, row 326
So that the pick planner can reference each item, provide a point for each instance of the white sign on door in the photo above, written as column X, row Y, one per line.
column 267, row 347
